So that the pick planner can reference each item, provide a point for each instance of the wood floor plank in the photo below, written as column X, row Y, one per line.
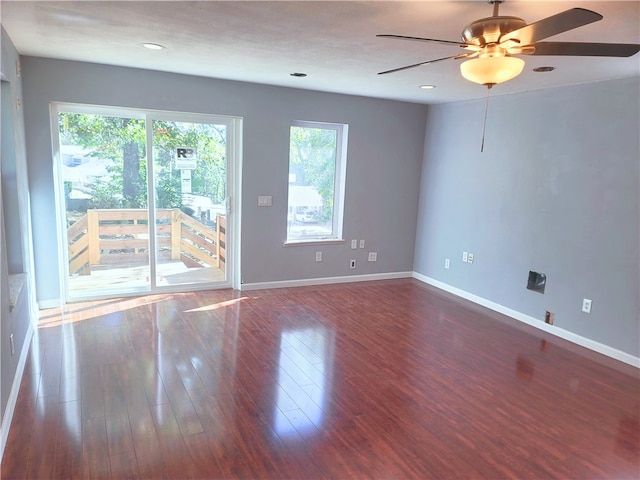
column 22, row 426
column 376, row 380
column 202, row 457
column 92, row 394
column 183, row 410
column 124, row 466
column 68, row 461
column 42, row 447
column 95, row 454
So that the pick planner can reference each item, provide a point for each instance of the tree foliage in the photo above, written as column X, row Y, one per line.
column 209, row 179
column 123, row 141
column 313, row 160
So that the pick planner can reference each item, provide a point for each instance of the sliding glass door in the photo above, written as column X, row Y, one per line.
column 190, row 171
column 143, row 200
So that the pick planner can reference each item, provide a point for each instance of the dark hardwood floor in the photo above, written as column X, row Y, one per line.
column 376, row 380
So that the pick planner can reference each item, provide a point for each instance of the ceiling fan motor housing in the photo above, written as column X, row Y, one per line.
column 490, row 30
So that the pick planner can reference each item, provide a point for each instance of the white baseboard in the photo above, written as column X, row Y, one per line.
column 15, row 389
column 325, row 281
column 534, row 322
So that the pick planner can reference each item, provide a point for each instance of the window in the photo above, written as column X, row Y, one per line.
column 317, row 166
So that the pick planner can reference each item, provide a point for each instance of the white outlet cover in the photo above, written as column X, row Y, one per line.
column 354, row 244
column 465, row 255
column 447, row 262
column 352, row 263
column 318, row 256
column 361, row 243
column 373, row 256
column 470, row 258
column 586, row 305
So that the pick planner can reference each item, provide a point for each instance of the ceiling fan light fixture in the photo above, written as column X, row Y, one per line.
column 491, row 70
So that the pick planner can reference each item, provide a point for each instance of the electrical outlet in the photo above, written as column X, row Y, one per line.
column 470, row 258
column 354, row 244
column 373, row 256
column 352, row 263
column 13, row 346
column 465, row 255
column 447, row 262
column 548, row 318
column 318, row 256
column 361, row 243
column 586, row 305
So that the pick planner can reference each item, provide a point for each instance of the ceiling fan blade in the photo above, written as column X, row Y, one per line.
column 420, row 39
column 553, row 25
column 585, row 49
column 462, row 55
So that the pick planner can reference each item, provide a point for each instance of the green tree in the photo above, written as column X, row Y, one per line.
column 209, row 140
column 123, row 140
column 313, row 156
column 119, row 139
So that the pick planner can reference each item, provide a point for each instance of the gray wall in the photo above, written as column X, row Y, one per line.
column 7, row 365
column 555, row 191
column 383, row 170
column 15, row 253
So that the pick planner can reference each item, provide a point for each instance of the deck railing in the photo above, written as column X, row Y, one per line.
column 121, row 237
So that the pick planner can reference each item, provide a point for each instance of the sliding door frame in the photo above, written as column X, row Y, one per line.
column 233, row 201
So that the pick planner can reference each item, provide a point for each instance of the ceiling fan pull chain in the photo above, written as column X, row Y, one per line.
column 486, row 110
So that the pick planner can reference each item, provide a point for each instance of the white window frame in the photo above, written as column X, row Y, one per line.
column 342, row 131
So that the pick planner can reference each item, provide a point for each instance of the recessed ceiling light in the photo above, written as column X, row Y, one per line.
column 298, row 74
column 427, row 87
column 544, row 69
column 153, row 46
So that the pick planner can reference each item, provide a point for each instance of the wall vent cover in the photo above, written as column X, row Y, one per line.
column 537, row 282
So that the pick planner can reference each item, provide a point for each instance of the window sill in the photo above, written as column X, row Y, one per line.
column 314, row 241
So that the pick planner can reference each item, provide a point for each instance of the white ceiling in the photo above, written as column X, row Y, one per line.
column 334, row 42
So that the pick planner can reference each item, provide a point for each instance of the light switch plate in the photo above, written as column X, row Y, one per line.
column 265, row 200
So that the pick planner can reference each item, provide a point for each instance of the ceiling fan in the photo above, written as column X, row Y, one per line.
column 492, row 44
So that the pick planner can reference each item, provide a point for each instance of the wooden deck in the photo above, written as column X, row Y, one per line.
column 121, row 237
column 169, row 273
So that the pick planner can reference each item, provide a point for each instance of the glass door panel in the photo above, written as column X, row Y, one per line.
column 190, row 189
column 104, row 177
column 112, row 165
